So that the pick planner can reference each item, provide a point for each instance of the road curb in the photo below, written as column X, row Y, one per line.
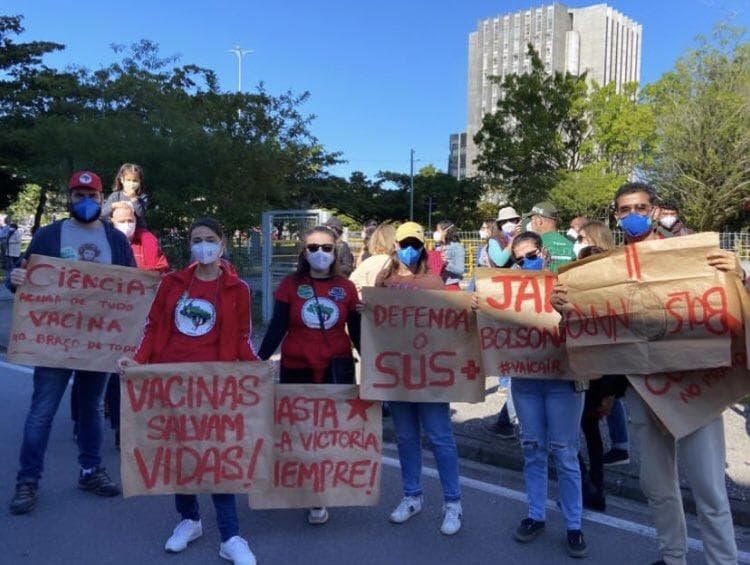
column 507, row 455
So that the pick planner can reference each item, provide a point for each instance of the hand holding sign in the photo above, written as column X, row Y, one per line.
column 18, row 275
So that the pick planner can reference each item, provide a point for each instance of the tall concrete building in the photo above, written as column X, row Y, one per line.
column 596, row 39
column 457, row 156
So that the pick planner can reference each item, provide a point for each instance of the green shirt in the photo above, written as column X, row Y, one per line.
column 560, row 249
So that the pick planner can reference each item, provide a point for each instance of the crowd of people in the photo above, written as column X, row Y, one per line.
column 316, row 322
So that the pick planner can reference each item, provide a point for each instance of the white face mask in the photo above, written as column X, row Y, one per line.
column 668, row 221
column 128, row 228
column 206, row 252
column 437, row 237
column 509, row 227
column 530, row 227
column 579, row 246
column 484, row 234
column 572, row 234
column 320, row 260
column 130, row 186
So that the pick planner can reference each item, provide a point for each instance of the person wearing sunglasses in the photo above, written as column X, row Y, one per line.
column 549, row 413
column 408, row 270
column 314, row 307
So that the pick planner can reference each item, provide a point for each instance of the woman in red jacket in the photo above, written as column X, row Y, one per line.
column 201, row 313
column 314, row 307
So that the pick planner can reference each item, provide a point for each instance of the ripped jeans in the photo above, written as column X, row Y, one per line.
column 549, row 412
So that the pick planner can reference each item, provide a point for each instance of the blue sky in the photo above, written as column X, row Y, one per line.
column 384, row 76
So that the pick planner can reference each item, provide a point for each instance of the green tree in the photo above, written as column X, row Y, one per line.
column 538, row 130
column 702, row 110
column 623, row 129
column 587, row 192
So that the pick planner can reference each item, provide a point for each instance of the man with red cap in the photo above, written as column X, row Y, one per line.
column 82, row 237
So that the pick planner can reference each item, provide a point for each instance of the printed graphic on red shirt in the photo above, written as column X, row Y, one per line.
column 315, row 311
column 194, row 317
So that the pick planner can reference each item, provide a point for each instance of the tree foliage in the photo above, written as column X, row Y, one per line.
column 587, row 192
column 702, row 110
column 205, row 152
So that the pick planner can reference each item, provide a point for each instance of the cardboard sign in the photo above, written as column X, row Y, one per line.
column 650, row 307
column 685, row 402
column 519, row 331
column 420, row 347
column 79, row 315
column 196, row 427
column 327, row 444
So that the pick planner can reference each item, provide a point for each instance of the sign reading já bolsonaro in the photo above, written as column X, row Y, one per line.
column 420, row 346
column 650, row 307
column 196, row 427
column 327, row 449
column 519, row 331
column 79, row 315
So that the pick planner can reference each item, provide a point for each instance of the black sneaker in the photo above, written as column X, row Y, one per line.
column 503, row 431
column 529, row 530
column 25, row 498
column 616, row 457
column 576, row 544
column 98, row 482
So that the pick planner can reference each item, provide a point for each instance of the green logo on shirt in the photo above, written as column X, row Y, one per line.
column 305, row 291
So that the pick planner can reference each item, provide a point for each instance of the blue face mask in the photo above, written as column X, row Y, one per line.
column 635, row 225
column 409, row 256
column 86, row 210
column 536, row 264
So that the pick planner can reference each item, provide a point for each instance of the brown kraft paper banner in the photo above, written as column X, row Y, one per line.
column 685, row 402
column 519, row 331
column 650, row 307
column 196, row 428
column 327, row 449
column 79, row 315
column 420, row 346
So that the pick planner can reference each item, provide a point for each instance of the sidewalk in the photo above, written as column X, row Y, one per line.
column 476, row 444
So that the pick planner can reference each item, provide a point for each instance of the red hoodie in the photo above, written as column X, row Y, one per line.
column 232, row 323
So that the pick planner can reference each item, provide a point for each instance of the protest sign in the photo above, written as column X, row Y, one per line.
column 687, row 401
column 519, row 331
column 78, row 314
column 650, row 307
column 327, row 444
column 196, row 427
column 420, row 347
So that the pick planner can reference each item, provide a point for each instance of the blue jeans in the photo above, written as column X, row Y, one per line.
column 549, row 412
column 49, row 388
column 226, row 512
column 435, row 419
column 617, row 423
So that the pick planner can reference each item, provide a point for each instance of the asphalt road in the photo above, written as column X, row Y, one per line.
column 70, row 526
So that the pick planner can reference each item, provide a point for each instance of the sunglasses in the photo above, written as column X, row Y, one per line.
column 313, row 247
column 413, row 243
column 531, row 256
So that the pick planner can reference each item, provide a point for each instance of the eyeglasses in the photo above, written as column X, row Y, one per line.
column 313, row 247
column 641, row 209
column 413, row 243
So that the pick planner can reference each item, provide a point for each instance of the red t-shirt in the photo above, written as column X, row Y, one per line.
column 305, row 345
column 195, row 327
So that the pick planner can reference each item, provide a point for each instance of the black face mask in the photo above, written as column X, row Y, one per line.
column 86, row 210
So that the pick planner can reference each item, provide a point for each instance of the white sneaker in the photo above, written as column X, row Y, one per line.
column 408, row 506
column 185, row 532
column 451, row 518
column 317, row 516
column 236, row 550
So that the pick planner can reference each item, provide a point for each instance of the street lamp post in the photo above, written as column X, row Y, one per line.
column 240, row 52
